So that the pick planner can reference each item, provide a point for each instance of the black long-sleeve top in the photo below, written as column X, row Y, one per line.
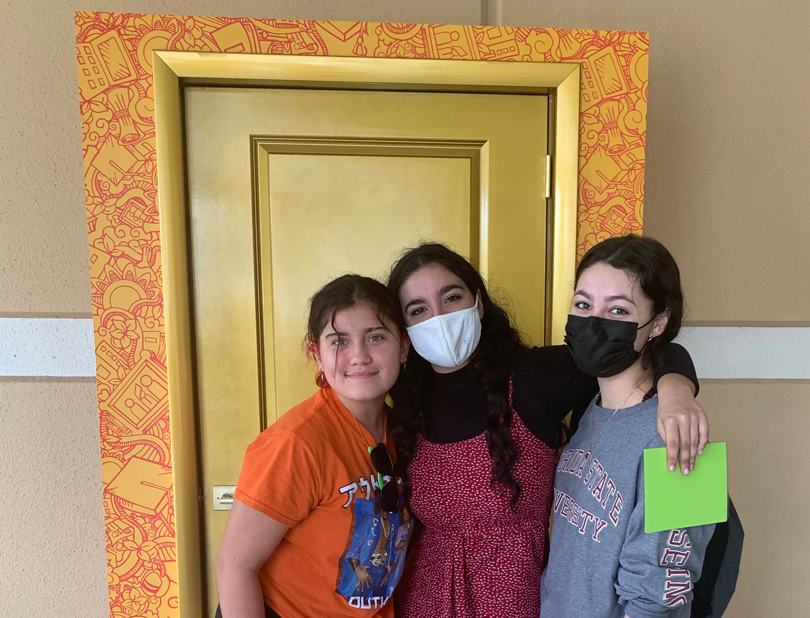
column 547, row 385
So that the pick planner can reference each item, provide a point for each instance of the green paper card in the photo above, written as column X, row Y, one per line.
column 673, row 500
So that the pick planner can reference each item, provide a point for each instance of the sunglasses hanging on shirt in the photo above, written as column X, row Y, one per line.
column 384, row 466
column 388, row 492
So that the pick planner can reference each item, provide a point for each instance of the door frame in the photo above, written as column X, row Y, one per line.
column 114, row 64
column 173, row 71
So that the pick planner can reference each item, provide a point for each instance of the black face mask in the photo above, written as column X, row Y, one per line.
column 602, row 348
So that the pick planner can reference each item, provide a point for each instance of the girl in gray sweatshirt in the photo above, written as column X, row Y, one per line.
column 627, row 306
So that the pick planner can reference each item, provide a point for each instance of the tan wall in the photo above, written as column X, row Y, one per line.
column 727, row 157
column 765, row 423
column 728, row 143
column 51, row 520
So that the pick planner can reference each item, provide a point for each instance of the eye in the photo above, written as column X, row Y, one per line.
column 417, row 311
column 340, row 343
column 376, row 338
column 582, row 305
column 452, row 298
column 618, row 311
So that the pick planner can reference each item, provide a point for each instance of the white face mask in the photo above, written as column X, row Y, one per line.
column 448, row 340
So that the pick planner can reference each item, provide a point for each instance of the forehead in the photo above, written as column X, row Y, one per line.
column 429, row 280
column 359, row 316
column 601, row 280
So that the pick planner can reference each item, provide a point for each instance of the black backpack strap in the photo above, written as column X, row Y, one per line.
column 713, row 560
column 721, row 566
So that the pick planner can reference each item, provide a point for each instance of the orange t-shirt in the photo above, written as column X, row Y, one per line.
column 342, row 556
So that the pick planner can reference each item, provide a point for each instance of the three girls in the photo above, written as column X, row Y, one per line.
column 476, row 419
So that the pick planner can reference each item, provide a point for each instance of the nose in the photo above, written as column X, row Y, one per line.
column 359, row 354
column 438, row 308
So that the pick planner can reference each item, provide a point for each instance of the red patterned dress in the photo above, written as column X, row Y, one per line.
column 476, row 557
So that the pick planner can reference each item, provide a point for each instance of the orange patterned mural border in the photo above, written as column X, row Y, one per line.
column 114, row 56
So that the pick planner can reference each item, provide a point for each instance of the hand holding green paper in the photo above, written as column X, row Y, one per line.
column 683, row 501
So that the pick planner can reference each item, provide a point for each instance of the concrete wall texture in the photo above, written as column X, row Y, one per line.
column 727, row 155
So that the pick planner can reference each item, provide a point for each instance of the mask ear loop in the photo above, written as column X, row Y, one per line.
column 650, row 338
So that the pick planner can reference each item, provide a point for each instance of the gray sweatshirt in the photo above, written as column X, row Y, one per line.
column 602, row 564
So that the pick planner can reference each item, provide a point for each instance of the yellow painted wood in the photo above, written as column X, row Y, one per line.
column 178, row 307
column 561, row 266
column 276, row 71
column 371, row 73
column 289, row 188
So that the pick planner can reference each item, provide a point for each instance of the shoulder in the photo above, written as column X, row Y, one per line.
column 308, row 424
column 641, row 427
column 303, row 414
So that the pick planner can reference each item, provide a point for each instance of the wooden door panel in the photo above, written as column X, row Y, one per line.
column 355, row 218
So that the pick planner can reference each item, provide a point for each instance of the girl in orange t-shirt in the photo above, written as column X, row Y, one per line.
column 319, row 526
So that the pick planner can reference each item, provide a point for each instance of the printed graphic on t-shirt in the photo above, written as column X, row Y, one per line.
column 600, row 486
column 371, row 567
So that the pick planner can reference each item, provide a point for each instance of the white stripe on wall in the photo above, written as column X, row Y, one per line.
column 749, row 352
column 50, row 347
column 61, row 347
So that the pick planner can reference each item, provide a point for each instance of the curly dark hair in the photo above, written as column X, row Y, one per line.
column 491, row 365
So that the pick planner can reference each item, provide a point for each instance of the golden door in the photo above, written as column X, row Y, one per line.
column 289, row 188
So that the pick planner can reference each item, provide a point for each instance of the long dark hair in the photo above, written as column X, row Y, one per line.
column 650, row 263
column 491, row 365
column 343, row 293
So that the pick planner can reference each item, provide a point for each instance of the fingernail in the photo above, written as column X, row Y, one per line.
column 692, row 467
column 685, row 470
column 700, row 452
column 672, row 468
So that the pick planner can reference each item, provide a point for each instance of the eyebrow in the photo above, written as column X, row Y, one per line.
column 415, row 301
column 620, row 297
column 448, row 287
column 370, row 329
column 608, row 299
column 442, row 292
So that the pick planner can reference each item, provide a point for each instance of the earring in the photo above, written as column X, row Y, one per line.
column 320, row 380
column 404, row 366
column 649, row 338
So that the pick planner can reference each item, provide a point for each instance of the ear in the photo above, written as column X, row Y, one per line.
column 315, row 349
column 660, row 323
column 404, row 347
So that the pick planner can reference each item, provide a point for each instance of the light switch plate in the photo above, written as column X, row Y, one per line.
column 223, row 497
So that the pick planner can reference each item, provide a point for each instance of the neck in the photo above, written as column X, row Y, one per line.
column 438, row 369
column 371, row 415
column 627, row 388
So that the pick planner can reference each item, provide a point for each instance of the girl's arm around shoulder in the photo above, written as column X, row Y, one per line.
column 682, row 423
column 550, row 375
column 249, row 540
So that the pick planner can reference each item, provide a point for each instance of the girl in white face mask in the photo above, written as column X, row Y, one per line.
column 476, row 419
